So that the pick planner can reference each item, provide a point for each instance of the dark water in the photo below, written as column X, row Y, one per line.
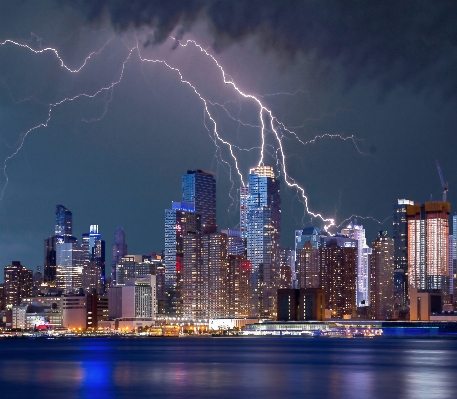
column 228, row 368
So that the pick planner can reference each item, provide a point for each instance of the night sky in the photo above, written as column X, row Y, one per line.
column 384, row 73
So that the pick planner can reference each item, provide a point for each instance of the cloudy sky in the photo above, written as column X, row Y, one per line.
column 364, row 100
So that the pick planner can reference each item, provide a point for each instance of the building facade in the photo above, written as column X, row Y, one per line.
column 119, row 251
column 18, row 284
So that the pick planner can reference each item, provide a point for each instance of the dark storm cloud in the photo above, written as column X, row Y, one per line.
column 390, row 41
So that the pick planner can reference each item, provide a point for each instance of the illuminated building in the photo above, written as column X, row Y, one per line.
column 135, row 299
column 381, row 276
column 286, row 267
column 18, row 284
column 63, row 228
column 236, row 245
column 400, row 237
column 180, row 221
column 93, row 248
column 357, row 232
column 204, row 275
column 428, row 231
column 309, row 274
column 338, row 265
column 70, row 263
column 199, row 189
column 263, row 239
column 244, row 194
column 119, row 251
column 238, row 287
column 453, row 260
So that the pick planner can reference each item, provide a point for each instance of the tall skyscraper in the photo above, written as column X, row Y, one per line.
column 263, row 239
column 94, row 261
column 338, row 266
column 428, row 231
column 357, row 232
column 119, row 251
column 18, row 283
column 63, row 229
column 381, row 277
column 244, row 194
column 400, row 237
column 308, row 265
column 199, row 189
column 180, row 221
column 453, row 270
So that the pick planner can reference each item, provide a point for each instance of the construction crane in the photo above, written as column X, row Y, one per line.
column 443, row 184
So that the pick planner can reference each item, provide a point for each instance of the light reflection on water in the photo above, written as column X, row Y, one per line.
column 227, row 368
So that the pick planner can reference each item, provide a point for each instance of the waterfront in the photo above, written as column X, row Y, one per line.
column 227, row 368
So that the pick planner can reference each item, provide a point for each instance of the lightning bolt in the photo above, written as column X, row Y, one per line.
column 267, row 121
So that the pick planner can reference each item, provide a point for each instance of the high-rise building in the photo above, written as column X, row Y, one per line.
column 428, row 231
column 18, row 284
column 236, row 245
column 199, row 189
column 308, row 265
column 244, row 194
column 94, row 261
column 70, row 263
column 180, row 221
column 204, row 273
column 286, row 267
column 64, row 220
column 238, row 287
column 338, row 265
column 400, row 237
column 357, row 232
column 453, row 262
column 263, row 239
column 119, row 251
column 381, row 277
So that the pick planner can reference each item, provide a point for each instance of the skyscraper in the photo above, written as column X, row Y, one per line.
column 119, row 251
column 180, row 221
column 357, row 232
column 428, row 231
column 453, row 270
column 18, row 283
column 64, row 220
column 381, row 276
column 263, row 226
column 400, row 237
column 199, row 189
column 338, row 266
column 94, row 261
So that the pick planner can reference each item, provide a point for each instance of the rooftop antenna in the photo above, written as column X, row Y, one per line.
column 443, row 184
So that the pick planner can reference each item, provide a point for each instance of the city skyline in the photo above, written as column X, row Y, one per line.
column 124, row 169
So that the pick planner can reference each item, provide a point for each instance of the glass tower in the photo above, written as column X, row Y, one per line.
column 119, row 251
column 263, row 228
column 199, row 189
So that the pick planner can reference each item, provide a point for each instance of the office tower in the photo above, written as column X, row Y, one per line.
column 238, row 286
column 236, row 245
column 286, row 267
column 70, row 263
column 315, row 237
column 133, row 266
column 308, row 266
column 357, row 232
column 62, row 234
column 338, row 265
column 2, row 296
column 400, row 237
column 180, row 221
column 301, row 304
column 428, row 231
column 244, row 194
column 204, row 275
column 199, row 189
column 119, row 251
column 381, row 277
column 38, row 277
column 263, row 239
column 18, row 284
column 94, row 261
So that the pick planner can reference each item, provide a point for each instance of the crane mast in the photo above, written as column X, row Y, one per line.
column 443, row 184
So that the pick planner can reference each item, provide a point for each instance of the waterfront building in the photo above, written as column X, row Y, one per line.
column 338, row 265
column 180, row 221
column 18, row 284
column 119, row 251
column 400, row 237
column 205, row 269
column 453, row 264
column 357, row 232
column 301, row 304
column 263, row 226
column 428, row 231
column 74, row 311
column 199, row 189
column 308, row 265
column 238, row 287
column 70, row 263
column 381, row 277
